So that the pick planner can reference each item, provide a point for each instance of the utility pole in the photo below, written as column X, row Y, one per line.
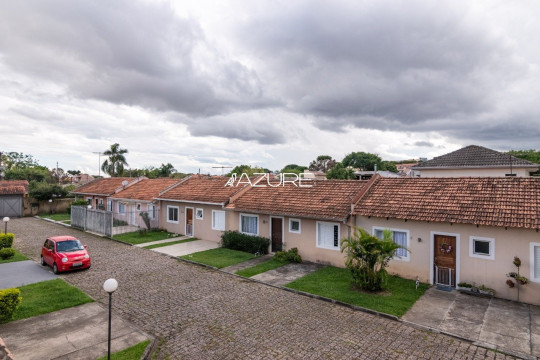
column 99, row 161
column 222, row 167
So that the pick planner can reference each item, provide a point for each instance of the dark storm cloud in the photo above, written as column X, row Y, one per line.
column 124, row 52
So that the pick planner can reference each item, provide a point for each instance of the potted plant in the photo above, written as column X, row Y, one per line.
column 519, row 280
column 486, row 291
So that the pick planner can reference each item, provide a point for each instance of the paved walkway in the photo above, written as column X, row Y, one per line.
column 79, row 332
column 286, row 274
column 246, row 264
column 500, row 324
column 164, row 241
column 186, row 248
column 197, row 313
column 20, row 273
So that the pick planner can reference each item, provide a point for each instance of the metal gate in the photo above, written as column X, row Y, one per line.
column 11, row 205
column 96, row 221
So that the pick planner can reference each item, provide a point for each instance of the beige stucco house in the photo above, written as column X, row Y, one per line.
column 475, row 161
column 459, row 229
column 97, row 191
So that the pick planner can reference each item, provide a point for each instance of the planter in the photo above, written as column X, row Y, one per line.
column 476, row 292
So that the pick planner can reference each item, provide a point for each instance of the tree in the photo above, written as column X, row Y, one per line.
column 530, row 155
column 114, row 165
column 74, row 172
column 44, row 191
column 12, row 160
column 36, row 173
column 368, row 257
column 293, row 168
column 246, row 169
column 340, row 172
column 323, row 163
column 166, row 170
column 367, row 162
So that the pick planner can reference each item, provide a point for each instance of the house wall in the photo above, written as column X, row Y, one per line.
column 202, row 229
column 305, row 241
column 494, row 172
column 132, row 215
column 94, row 198
column 492, row 273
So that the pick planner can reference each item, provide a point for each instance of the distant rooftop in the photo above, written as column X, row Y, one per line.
column 474, row 156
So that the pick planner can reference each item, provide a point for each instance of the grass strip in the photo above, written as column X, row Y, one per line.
column 57, row 217
column 48, row 296
column 133, row 352
column 17, row 257
column 261, row 267
column 219, row 257
column 138, row 238
column 169, row 243
column 336, row 283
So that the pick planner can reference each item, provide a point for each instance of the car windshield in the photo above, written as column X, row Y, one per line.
column 69, row 245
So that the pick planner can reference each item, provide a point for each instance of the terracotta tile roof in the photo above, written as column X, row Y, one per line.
column 201, row 188
column 146, row 189
column 474, row 156
column 326, row 199
column 12, row 187
column 508, row 202
column 103, row 186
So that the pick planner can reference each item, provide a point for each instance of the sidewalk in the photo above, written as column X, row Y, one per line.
column 186, row 248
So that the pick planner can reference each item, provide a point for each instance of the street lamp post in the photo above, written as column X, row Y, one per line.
column 6, row 220
column 110, row 286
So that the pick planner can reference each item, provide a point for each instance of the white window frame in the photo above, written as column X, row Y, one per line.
column 214, row 212
column 197, row 214
column 121, row 208
column 531, row 274
column 138, row 207
column 151, row 210
column 299, row 231
column 100, row 201
column 109, row 205
column 335, row 248
column 249, row 215
column 177, row 214
column 407, row 257
column 491, row 242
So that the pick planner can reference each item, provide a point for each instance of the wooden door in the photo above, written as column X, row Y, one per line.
column 444, row 260
column 277, row 234
column 189, row 221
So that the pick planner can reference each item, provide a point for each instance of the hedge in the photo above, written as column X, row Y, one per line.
column 7, row 253
column 235, row 240
column 10, row 299
column 6, row 240
column 80, row 202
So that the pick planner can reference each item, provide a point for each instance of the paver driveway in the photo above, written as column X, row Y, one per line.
column 203, row 314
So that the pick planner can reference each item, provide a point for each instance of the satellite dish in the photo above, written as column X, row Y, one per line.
column 124, row 183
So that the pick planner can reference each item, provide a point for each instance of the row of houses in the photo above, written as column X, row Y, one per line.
column 455, row 229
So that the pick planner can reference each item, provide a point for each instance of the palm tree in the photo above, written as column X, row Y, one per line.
column 114, row 165
column 367, row 258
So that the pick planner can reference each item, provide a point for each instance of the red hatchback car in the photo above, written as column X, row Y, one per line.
column 64, row 253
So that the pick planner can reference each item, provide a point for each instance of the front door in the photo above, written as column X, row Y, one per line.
column 133, row 215
column 444, row 260
column 277, row 234
column 189, row 221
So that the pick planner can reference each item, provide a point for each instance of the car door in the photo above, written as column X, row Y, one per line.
column 47, row 252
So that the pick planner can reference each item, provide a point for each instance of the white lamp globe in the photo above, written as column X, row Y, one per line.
column 110, row 285
column 5, row 219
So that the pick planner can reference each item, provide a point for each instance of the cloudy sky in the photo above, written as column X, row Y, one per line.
column 219, row 83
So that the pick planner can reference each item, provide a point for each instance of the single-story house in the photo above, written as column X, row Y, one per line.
column 196, row 206
column 11, row 197
column 97, row 191
column 128, row 204
column 459, row 229
column 474, row 160
column 312, row 219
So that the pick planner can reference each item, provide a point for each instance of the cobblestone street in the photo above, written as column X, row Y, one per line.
column 197, row 313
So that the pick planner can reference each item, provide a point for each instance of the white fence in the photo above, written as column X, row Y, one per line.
column 96, row 221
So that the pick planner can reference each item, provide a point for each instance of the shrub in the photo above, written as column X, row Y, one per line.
column 288, row 256
column 465, row 285
column 10, row 299
column 235, row 240
column 76, row 203
column 118, row 222
column 6, row 240
column 6, row 253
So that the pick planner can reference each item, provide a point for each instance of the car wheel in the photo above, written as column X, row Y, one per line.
column 55, row 268
column 43, row 261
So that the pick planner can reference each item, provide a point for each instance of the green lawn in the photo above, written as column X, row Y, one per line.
column 261, row 267
column 134, row 352
column 47, row 296
column 336, row 283
column 169, row 243
column 57, row 217
column 136, row 238
column 17, row 257
column 219, row 257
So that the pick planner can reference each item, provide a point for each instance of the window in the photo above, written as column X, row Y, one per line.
column 89, row 200
column 109, row 205
column 535, row 262
column 482, row 248
column 218, row 220
column 100, row 201
column 328, row 235
column 400, row 237
column 138, row 207
column 249, row 224
column 294, row 226
column 151, row 209
column 199, row 214
column 121, row 208
column 172, row 214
